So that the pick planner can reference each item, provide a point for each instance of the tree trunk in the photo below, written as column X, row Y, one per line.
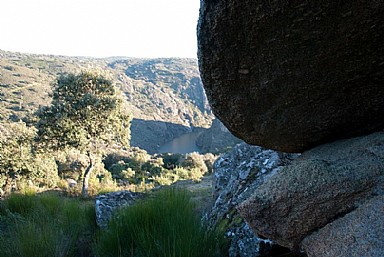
column 87, row 173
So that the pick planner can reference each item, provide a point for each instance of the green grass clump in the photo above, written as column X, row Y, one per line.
column 45, row 226
column 164, row 225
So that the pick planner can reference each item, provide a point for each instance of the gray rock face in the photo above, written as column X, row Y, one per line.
column 150, row 135
column 291, row 75
column 107, row 204
column 216, row 139
column 236, row 174
column 322, row 185
column 359, row 233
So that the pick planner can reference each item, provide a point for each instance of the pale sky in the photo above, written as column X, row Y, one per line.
column 100, row 28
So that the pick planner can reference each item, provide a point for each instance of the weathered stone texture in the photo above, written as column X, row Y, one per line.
column 359, row 233
column 291, row 75
column 317, row 188
column 107, row 204
column 236, row 175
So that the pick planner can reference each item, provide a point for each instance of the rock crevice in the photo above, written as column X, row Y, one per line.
column 322, row 186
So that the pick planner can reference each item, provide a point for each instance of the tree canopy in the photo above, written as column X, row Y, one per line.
column 17, row 158
column 87, row 111
column 87, row 114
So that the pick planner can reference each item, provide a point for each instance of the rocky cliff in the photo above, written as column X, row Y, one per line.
column 216, row 139
column 150, row 135
column 304, row 77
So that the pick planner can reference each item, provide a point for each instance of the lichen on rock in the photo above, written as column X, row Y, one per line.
column 107, row 204
column 236, row 175
column 321, row 186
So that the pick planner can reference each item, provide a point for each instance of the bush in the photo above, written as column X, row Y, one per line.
column 18, row 162
column 194, row 160
column 136, row 166
column 182, row 172
column 164, row 225
column 209, row 160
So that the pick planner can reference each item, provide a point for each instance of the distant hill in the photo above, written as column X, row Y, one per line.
column 167, row 90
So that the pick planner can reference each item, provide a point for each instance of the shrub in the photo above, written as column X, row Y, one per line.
column 164, row 225
column 171, row 160
column 194, row 160
column 182, row 172
column 209, row 160
column 18, row 162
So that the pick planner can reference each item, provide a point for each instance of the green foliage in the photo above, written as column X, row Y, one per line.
column 194, row 160
column 183, row 173
column 171, row 160
column 209, row 160
column 86, row 111
column 45, row 226
column 18, row 162
column 15, row 145
column 136, row 166
column 86, row 114
column 164, row 225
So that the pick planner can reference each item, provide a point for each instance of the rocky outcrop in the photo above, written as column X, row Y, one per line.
column 359, row 233
column 321, row 186
column 236, row 175
column 291, row 75
column 107, row 204
column 150, row 135
column 216, row 139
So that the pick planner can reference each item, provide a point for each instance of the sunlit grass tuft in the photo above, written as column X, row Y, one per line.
column 165, row 225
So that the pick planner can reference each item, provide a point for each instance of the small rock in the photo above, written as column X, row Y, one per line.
column 107, row 204
column 71, row 182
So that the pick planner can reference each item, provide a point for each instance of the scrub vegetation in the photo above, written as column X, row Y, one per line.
column 46, row 225
column 65, row 134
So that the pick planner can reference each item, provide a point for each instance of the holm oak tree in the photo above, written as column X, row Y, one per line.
column 87, row 113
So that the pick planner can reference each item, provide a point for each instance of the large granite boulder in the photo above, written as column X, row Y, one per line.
column 359, row 233
column 236, row 174
column 319, row 187
column 291, row 75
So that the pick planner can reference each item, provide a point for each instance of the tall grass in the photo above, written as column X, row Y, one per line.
column 164, row 225
column 45, row 226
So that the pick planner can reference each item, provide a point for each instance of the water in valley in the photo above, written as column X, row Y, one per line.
column 183, row 144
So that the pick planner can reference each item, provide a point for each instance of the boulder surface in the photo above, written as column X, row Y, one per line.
column 291, row 75
column 359, row 233
column 236, row 175
column 319, row 187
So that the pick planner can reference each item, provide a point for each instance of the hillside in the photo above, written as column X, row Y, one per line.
column 168, row 91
